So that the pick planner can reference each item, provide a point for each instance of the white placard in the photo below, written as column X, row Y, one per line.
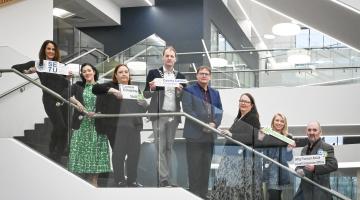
column 74, row 68
column 129, row 91
column 162, row 82
column 279, row 136
column 52, row 67
column 309, row 160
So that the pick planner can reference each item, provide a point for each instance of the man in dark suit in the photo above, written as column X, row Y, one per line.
column 164, row 99
column 318, row 173
column 204, row 103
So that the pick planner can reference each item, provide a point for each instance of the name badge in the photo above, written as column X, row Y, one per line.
column 129, row 91
column 163, row 82
column 309, row 160
column 277, row 135
column 52, row 67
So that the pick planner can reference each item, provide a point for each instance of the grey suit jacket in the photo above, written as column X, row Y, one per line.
column 321, row 174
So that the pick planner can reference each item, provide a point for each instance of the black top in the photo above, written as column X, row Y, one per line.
column 245, row 129
column 55, row 82
column 109, row 104
column 157, row 96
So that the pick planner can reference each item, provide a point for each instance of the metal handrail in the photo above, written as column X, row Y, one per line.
column 199, row 122
column 279, row 70
column 35, row 79
column 247, row 50
column 88, row 52
column 126, row 61
column 47, row 90
column 56, row 95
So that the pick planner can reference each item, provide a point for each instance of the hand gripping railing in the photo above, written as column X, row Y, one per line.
column 47, row 90
column 335, row 193
column 72, row 60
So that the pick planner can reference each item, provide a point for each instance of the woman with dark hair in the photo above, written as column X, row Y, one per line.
column 239, row 174
column 58, row 83
column 123, row 133
column 89, row 151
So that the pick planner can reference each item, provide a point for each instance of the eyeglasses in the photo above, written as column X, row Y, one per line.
column 244, row 101
column 312, row 129
column 203, row 74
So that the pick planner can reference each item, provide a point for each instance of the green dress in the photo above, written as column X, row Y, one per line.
column 89, row 151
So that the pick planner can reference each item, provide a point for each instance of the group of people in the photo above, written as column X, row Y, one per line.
column 240, row 174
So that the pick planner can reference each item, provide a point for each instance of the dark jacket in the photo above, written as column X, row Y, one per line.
column 321, row 174
column 157, row 96
column 109, row 104
column 193, row 104
column 273, row 174
column 77, row 91
column 55, row 82
column 244, row 130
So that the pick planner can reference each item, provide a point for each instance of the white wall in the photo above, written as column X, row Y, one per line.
column 20, row 111
column 26, row 174
column 25, row 25
column 328, row 104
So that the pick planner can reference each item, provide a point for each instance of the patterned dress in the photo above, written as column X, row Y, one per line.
column 89, row 151
column 238, row 177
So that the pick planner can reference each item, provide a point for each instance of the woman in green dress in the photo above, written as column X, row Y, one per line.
column 89, row 150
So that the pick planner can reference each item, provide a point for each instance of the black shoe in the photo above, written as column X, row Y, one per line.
column 134, row 184
column 121, row 184
column 165, row 183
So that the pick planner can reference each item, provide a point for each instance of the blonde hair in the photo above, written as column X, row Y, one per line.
column 285, row 130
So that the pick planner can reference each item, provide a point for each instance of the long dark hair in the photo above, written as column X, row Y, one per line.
column 253, row 109
column 115, row 71
column 96, row 76
column 42, row 54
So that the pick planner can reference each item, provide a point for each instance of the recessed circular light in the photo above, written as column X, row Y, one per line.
column 286, row 29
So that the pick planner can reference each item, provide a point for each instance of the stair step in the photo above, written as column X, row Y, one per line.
column 42, row 129
column 37, row 139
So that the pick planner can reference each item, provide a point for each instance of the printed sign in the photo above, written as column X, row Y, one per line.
column 279, row 136
column 129, row 91
column 52, row 67
column 162, row 82
column 309, row 160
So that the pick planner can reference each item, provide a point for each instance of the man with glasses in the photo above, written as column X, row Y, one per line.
column 318, row 173
column 164, row 99
column 204, row 103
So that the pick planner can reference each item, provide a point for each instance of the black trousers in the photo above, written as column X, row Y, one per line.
column 127, row 143
column 58, row 116
column 274, row 194
column 199, row 155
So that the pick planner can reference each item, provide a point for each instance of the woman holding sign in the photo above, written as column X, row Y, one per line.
column 58, row 83
column 89, row 151
column 239, row 174
column 277, row 179
column 117, row 97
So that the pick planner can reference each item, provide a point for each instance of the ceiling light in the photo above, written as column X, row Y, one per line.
column 269, row 36
column 286, row 29
column 298, row 57
column 58, row 12
column 148, row 2
column 346, row 6
column 218, row 62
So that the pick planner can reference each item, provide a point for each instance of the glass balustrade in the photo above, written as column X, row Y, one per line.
column 234, row 172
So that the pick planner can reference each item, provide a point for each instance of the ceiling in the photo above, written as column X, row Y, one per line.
column 257, row 17
column 92, row 13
